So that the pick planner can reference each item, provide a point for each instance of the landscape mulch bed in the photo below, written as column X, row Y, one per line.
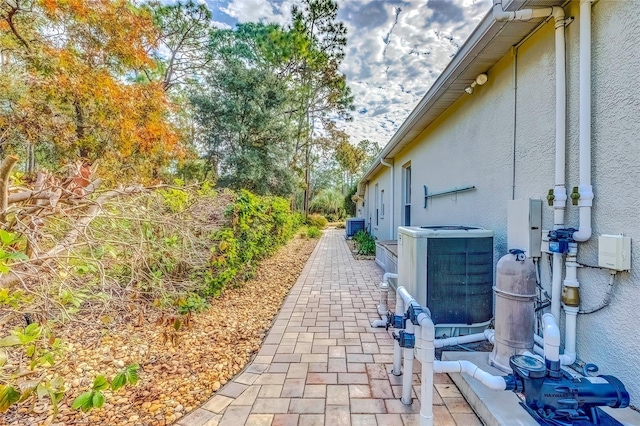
column 180, row 369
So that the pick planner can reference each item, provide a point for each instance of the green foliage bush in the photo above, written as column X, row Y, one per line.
column 317, row 220
column 313, row 232
column 365, row 243
column 258, row 227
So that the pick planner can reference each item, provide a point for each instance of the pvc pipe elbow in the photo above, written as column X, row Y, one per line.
column 558, row 14
column 388, row 275
column 568, row 358
column 379, row 323
column 501, row 15
column 551, row 338
column 490, row 335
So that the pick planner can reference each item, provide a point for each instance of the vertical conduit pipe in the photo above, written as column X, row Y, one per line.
column 428, row 357
column 397, row 350
column 559, row 190
column 585, row 189
column 407, row 378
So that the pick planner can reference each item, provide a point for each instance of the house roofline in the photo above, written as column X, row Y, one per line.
column 460, row 70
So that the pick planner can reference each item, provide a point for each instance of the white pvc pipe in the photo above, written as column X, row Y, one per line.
column 490, row 335
column 551, row 338
column 538, row 350
column 538, row 340
column 428, row 358
column 460, row 340
column 556, row 285
column 407, row 298
column 569, row 355
column 585, row 189
column 397, row 350
column 489, row 380
column 384, row 297
column 407, row 377
column 559, row 190
column 430, row 365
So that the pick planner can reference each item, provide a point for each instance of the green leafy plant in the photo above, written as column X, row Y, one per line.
column 365, row 243
column 317, row 220
column 313, row 232
column 193, row 303
column 94, row 398
column 16, row 386
column 9, row 253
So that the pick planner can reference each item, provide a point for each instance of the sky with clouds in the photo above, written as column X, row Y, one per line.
column 396, row 50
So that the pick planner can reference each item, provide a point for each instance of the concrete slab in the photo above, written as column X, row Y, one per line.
column 503, row 408
column 493, row 408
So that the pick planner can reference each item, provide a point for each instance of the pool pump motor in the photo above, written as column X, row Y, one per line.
column 555, row 395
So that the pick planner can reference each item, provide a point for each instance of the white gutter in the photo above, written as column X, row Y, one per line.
column 585, row 189
column 393, row 185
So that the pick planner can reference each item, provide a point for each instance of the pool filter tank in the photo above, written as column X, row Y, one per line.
column 515, row 293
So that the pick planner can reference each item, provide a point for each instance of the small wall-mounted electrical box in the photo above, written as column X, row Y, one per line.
column 524, row 226
column 614, row 252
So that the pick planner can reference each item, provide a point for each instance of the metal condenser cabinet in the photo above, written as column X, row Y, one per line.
column 450, row 270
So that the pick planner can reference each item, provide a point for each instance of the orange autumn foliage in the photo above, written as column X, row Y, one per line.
column 72, row 67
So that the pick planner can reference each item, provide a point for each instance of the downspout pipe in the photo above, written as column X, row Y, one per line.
column 585, row 189
column 392, row 197
column 559, row 190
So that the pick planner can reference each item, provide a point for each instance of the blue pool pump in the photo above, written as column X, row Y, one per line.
column 554, row 394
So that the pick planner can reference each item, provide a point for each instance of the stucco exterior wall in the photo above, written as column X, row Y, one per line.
column 472, row 143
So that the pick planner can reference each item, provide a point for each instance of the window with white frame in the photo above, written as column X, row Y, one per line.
column 406, row 195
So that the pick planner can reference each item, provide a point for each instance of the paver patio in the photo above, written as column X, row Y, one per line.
column 323, row 364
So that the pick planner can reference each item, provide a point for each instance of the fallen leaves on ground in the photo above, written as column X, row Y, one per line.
column 180, row 369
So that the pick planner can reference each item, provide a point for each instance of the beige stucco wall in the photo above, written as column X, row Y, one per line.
column 472, row 144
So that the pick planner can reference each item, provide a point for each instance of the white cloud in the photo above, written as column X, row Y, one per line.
column 387, row 78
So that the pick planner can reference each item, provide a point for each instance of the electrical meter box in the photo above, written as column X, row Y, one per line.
column 524, row 226
column 614, row 252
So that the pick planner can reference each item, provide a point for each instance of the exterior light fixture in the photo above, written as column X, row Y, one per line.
column 479, row 81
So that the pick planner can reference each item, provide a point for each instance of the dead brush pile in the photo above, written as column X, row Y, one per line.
column 105, row 308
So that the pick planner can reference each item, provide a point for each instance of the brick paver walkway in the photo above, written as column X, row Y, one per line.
column 323, row 364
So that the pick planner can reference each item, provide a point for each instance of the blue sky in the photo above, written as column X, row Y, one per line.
column 395, row 52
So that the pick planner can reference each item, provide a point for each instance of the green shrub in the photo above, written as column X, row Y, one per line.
column 317, row 220
column 313, row 232
column 258, row 227
column 365, row 243
column 341, row 225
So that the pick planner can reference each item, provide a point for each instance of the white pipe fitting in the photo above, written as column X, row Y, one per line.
column 489, row 380
column 384, row 298
column 490, row 336
column 551, row 338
